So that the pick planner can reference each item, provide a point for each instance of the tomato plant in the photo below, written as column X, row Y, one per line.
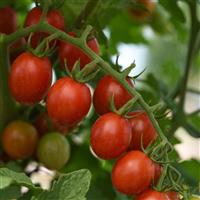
column 132, row 173
column 68, row 102
column 143, row 132
column 71, row 53
column 110, row 136
column 105, row 89
column 53, row 150
column 23, row 89
column 85, row 83
column 19, row 139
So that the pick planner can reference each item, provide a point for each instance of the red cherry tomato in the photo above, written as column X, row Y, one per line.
column 142, row 130
column 54, row 18
column 110, row 136
column 142, row 14
column 152, row 195
column 157, row 173
column 19, row 139
column 68, row 102
column 53, row 150
column 132, row 173
column 107, row 87
column 72, row 53
column 8, row 20
column 30, row 78
column 172, row 195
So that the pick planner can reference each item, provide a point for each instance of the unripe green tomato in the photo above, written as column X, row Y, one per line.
column 53, row 150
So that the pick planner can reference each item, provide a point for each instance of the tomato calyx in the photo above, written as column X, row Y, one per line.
column 125, row 109
column 46, row 47
column 82, row 75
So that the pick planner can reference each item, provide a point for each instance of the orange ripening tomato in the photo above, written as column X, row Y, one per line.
column 144, row 13
column 19, row 139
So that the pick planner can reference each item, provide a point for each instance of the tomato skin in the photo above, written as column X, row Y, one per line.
column 110, row 136
column 104, row 90
column 54, row 18
column 19, row 139
column 142, row 129
column 72, row 53
column 132, row 173
column 8, row 22
column 140, row 15
column 53, row 150
column 30, row 78
column 68, row 102
column 152, row 195
column 43, row 124
column 172, row 195
column 157, row 173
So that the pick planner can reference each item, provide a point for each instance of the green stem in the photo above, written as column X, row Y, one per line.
column 7, row 105
column 195, row 29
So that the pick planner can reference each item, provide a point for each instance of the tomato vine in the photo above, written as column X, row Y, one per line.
column 7, row 106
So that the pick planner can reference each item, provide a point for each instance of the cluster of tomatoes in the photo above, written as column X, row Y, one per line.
column 30, row 82
column 114, row 137
column 68, row 102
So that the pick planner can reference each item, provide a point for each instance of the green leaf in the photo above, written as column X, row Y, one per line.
column 9, row 193
column 190, row 169
column 9, row 176
column 72, row 186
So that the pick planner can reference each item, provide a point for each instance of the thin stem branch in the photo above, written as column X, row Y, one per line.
column 195, row 29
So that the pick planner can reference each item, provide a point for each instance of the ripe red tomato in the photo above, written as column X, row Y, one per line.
column 152, row 195
column 142, row 130
column 142, row 14
column 107, row 87
column 54, row 18
column 8, row 22
column 19, row 139
column 53, row 150
column 132, row 173
column 172, row 195
column 157, row 173
column 72, row 53
column 110, row 136
column 30, row 78
column 68, row 102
